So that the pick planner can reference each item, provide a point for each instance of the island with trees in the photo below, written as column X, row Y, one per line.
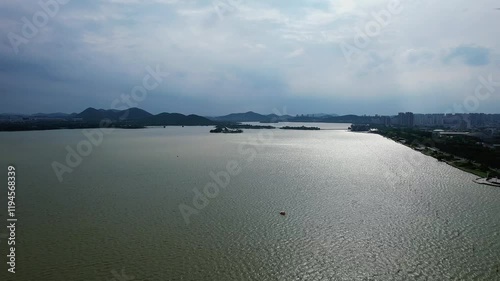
column 300, row 128
column 225, row 130
column 247, row 126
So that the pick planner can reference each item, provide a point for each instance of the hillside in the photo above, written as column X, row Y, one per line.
column 250, row 116
column 134, row 113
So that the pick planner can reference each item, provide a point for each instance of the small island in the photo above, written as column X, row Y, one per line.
column 231, row 128
column 225, row 130
column 300, row 128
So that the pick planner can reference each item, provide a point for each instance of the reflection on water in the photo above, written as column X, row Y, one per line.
column 358, row 207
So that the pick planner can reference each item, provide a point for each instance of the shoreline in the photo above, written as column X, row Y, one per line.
column 481, row 175
column 486, row 182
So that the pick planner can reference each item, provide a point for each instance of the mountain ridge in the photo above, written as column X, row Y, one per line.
column 250, row 116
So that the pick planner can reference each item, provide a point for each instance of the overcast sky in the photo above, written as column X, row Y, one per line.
column 310, row 56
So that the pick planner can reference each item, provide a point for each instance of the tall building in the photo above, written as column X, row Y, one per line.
column 419, row 120
column 406, row 119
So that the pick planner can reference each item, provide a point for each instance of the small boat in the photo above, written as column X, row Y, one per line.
column 282, row 213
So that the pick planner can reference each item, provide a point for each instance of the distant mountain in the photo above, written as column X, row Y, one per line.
column 134, row 113
column 348, row 119
column 281, row 118
column 141, row 117
column 321, row 115
column 166, row 119
column 132, row 118
column 250, row 116
column 333, row 119
column 92, row 114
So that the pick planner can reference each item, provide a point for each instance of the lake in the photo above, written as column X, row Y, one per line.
column 145, row 205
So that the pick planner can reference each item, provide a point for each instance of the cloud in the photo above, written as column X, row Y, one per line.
column 469, row 55
column 247, row 53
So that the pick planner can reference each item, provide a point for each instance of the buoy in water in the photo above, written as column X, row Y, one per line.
column 282, row 213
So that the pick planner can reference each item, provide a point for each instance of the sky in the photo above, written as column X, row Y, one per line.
column 223, row 56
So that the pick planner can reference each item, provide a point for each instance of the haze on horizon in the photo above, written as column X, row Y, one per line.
column 228, row 56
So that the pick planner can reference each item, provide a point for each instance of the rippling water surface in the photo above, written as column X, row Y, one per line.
column 359, row 207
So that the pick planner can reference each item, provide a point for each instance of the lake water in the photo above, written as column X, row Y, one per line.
column 358, row 207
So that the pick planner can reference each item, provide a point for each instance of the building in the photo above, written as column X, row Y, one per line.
column 406, row 119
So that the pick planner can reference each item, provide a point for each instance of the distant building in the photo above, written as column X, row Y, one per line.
column 428, row 120
column 488, row 123
column 381, row 120
column 419, row 120
column 406, row 119
column 394, row 120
